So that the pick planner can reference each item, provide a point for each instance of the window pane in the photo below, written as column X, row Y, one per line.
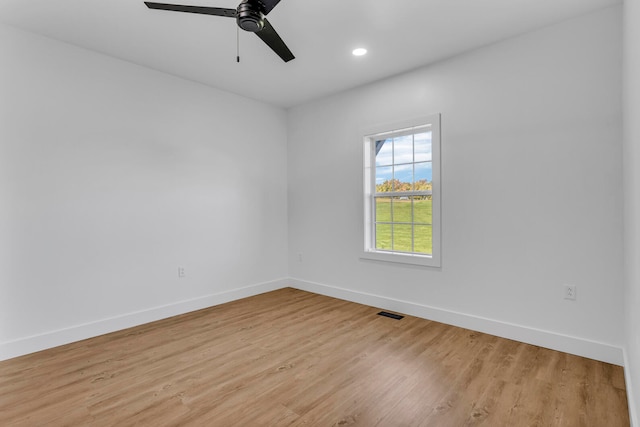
column 383, row 236
column 384, row 177
column 403, row 150
column 403, row 178
column 422, row 210
column 422, row 239
column 383, row 209
column 401, row 209
column 402, row 239
column 422, row 143
column 423, row 175
column 384, row 152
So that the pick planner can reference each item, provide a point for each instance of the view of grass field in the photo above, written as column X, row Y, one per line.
column 393, row 224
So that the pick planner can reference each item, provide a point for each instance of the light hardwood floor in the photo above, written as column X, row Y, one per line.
column 292, row 358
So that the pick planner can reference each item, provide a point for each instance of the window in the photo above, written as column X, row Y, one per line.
column 402, row 194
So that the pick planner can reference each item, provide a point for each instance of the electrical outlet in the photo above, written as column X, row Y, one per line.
column 569, row 292
column 181, row 272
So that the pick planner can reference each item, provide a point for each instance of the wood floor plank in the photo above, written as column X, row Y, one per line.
column 293, row 358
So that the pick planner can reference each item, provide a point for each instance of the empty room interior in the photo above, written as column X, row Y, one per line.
column 201, row 227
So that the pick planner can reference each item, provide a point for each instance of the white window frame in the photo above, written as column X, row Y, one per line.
column 390, row 130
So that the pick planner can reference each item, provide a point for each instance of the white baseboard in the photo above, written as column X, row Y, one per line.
column 633, row 409
column 565, row 343
column 59, row 337
column 569, row 344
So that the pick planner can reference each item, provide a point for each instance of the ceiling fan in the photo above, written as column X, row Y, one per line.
column 250, row 16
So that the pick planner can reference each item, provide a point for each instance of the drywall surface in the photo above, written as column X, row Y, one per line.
column 631, row 160
column 111, row 177
column 531, row 187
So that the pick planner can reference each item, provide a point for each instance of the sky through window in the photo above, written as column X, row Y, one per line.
column 405, row 158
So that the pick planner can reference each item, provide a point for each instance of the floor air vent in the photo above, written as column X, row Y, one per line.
column 391, row 315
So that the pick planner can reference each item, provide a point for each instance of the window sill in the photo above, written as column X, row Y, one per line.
column 399, row 258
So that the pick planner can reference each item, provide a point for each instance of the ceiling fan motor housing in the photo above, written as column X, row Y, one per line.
column 249, row 17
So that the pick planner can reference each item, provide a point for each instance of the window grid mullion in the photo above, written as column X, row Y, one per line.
column 403, row 193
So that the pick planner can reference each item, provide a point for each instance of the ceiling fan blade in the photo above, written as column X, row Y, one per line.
column 217, row 11
column 266, row 5
column 273, row 40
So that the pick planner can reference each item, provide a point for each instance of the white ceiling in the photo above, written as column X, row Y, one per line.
column 400, row 35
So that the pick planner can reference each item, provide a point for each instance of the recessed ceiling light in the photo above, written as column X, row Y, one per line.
column 359, row 51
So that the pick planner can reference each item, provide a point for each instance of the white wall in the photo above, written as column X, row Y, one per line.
column 532, row 198
column 631, row 159
column 111, row 176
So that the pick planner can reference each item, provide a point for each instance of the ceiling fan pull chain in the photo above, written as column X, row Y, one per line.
column 237, row 44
